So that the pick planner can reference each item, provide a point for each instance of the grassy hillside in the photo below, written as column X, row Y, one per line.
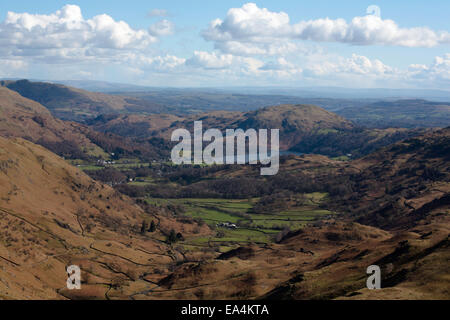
column 73, row 220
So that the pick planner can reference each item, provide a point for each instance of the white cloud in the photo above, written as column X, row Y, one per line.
column 162, row 28
column 215, row 61
column 272, row 48
column 250, row 25
column 356, row 65
column 252, row 45
column 65, row 34
column 159, row 63
column 439, row 70
column 210, row 60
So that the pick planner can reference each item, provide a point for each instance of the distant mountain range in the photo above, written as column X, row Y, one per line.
column 70, row 103
column 304, row 92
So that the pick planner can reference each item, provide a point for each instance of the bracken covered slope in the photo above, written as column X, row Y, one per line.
column 52, row 215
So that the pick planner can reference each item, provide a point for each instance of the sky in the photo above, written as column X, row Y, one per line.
column 290, row 43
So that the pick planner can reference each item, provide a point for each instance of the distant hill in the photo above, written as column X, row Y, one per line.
column 133, row 125
column 400, row 114
column 303, row 128
column 25, row 118
column 197, row 100
column 294, row 122
column 69, row 103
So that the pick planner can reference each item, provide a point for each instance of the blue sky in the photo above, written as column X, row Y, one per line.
column 229, row 43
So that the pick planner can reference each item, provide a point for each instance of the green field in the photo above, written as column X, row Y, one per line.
column 252, row 227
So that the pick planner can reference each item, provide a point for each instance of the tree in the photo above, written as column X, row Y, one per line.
column 180, row 236
column 152, row 227
column 172, row 237
column 143, row 227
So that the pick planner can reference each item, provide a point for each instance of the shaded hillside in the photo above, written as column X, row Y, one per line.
column 75, row 104
column 400, row 185
column 400, row 114
column 133, row 125
column 21, row 117
column 52, row 215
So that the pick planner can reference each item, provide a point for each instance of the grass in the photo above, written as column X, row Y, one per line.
column 259, row 228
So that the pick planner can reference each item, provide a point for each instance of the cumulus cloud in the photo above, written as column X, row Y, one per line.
column 160, row 63
column 254, row 25
column 162, row 28
column 210, row 60
column 215, row 61
column 272, row 48
column 251, row 44
column 438, row 70
column 355, row 65
column 67, row 35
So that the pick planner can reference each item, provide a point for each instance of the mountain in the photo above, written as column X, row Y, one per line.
column 303, row 128
column 411, row 113
column 25, row 118
column 294, row 122
column 69, row 103
column 53, row 215
column 401, row 184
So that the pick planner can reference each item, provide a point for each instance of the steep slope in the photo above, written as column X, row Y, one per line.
column 21, row 117
column 75, row 104
column 53, row 215
column 25, row 118
column 401, row 185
